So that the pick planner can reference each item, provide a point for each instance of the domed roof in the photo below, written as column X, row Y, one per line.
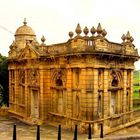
column 25, row 30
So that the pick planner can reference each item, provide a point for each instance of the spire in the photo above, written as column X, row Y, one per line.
column 24, row 22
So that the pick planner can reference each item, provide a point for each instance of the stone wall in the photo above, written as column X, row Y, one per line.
column 4, row 111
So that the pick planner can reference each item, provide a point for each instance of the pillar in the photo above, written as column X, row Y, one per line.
column 124, row 90
column 105, row 94
column 95, row 93
column 83, row 93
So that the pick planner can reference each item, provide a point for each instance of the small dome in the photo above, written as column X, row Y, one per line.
column 25, row 30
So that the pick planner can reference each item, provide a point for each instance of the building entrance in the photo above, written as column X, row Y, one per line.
column 34, row 104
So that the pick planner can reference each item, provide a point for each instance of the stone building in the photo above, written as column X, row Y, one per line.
column 87, row 79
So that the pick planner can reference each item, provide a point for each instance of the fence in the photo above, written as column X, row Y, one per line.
column 75, row 136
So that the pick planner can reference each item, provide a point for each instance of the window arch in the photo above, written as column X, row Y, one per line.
column 115, row 82
column 59, row 82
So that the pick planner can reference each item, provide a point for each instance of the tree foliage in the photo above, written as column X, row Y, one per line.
column 4, row 81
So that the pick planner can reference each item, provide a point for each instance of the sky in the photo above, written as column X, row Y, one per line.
column 55, row 18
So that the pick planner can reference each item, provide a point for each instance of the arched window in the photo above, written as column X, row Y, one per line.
column 115, row 82
column 59, row 82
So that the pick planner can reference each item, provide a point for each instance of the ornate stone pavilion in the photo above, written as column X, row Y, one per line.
column 87, row 79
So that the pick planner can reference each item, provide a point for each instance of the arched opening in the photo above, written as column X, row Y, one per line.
column 115, row 82
column 59, row 82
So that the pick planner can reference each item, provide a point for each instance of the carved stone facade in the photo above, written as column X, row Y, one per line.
column 87, row 79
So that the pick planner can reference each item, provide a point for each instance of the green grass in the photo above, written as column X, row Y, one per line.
column 136, row 88
column 136, row 95
column 136, row 85
column 136, row 76
column 136, row 107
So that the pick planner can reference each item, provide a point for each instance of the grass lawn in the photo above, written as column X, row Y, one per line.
column 135, row 95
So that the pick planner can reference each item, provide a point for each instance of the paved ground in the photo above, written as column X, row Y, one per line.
column 27, row 132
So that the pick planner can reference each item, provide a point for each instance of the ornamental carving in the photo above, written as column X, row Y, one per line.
column 33, row 77
column 22, row 76
column 116, row 78
column 58, row 74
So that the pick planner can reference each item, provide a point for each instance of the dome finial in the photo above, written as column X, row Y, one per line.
column 78, row 29
column 24, row 22
column 43, row 39
column 99, row 29
column 86, row 31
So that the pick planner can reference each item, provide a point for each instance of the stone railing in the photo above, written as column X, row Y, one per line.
column 110, row 47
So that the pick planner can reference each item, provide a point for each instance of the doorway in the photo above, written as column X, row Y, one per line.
column 34, row 104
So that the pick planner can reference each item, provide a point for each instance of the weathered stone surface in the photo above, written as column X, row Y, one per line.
column 84, row 80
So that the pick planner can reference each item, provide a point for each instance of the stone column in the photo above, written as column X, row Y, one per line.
column 89, row 94
column 131, row 89
column 16, row 90
column 83, row 93
column 69, row 110
column 10, row 91
column 124, row 90
column 95, row 99
column 27, row 96
column 105, row 94
column 124, row 93
column 41, row 94
column 95, row 93
column 119, row 100
column 47, row 91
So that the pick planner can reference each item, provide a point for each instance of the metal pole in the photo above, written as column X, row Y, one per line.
column 89, row 132
column 59, row 132
column 75, row 133
column 14, row 132
column 38, row 132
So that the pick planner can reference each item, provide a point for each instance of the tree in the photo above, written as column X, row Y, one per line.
column 4, row 80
